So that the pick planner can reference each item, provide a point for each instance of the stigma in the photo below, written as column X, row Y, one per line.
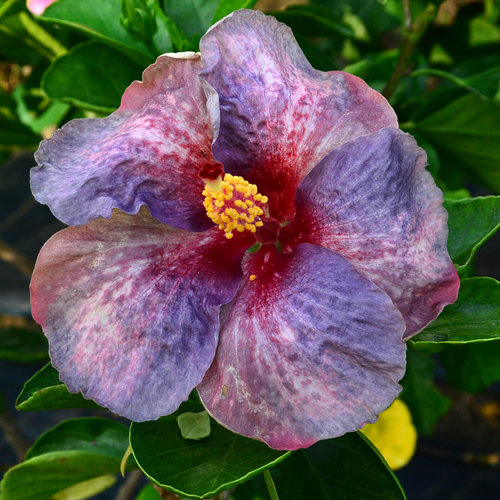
column 234, row 204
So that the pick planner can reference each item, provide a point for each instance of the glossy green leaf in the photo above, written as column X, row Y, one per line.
column 101, row 20
column 102, row 73
column 25, row 346
column 193, row 17
column 313, row 21
column 225, row 8
column 347, row 467
column 426, row 403
column 471, row 222
column 474, row 317
column 468, row 130
column 472, row 367
column 194, row 425
column 91, row 434
column 198, row 469
column 44, row 391
column 73, row 452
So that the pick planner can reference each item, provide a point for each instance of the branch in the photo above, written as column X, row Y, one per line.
column 410, row 41
column 129, row 486
column 13, row 434
column 19, row 261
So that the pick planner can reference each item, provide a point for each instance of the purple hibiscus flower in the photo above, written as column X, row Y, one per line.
column 152, row 292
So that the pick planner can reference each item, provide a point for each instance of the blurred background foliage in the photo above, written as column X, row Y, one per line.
column 438, row 63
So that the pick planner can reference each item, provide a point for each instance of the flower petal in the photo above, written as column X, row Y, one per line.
column 309, row 350
column 373, row 201
column 130, row 307
column 148, row 152
column 279, row 116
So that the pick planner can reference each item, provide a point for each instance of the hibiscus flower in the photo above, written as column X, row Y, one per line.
column 246, row 225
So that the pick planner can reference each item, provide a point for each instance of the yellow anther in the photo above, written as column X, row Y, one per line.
column 228, row 204
column 253, row 277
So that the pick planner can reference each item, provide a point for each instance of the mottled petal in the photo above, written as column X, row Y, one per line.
column 279, row 116
column 130, row 307
column 373, row 201
column 309, row 350
column 148, row 152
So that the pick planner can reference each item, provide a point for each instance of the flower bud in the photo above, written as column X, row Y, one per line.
column 138, row 19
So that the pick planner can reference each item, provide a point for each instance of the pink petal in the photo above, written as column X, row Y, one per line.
column 148, row 152
column 309, row 350
column 279, row 116
column 373, row 201
column 38, row 6
column 130, row 307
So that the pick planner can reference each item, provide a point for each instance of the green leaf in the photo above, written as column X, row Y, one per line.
column 53, row 115
column 101, row 20
column 44, row 391
column 198, row 469
column 427, row 405
column 225, row 8
column 471, row 222
column 474, row 317
column 313, row 21
column 194, row 425
column 193, row 17
column 102, row 74
column 25, row 346
column 472, row 367
column 89, row 434
column 73, row 452
column 468, row 130
column 347, row 467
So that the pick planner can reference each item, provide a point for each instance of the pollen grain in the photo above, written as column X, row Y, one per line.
column 234, row 204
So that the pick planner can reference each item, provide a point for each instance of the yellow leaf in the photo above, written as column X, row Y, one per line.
column 394, row 435
column 86, row 489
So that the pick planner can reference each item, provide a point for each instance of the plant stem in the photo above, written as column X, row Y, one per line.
column 41, row 36
column 460, row 82
column 271, row 488
column 129, row 487
column 13, row 434
column 19, row 261
column 410, row 41
column 4, row 9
